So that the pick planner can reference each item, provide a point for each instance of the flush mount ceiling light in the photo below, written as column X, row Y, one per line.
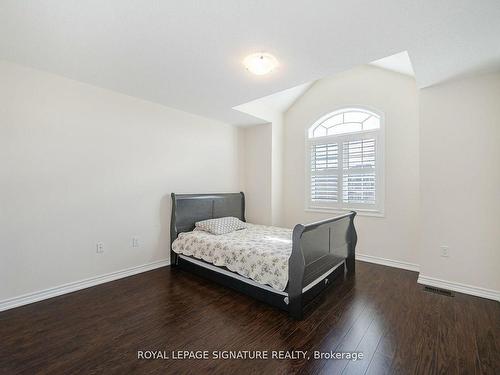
column 260, row 63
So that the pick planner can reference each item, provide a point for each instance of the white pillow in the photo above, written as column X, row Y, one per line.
column 222, row 225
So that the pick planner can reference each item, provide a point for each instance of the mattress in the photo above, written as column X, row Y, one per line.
column 258, row 252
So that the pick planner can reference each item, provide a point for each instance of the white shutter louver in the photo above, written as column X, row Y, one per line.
column 359, row 180
column 324, row 172
column 359, row 188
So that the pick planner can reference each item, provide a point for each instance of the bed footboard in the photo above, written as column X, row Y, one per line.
column 316, row 249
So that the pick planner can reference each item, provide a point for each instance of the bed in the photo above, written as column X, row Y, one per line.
column 282, row 267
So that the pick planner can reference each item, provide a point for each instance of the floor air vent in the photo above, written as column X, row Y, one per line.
column 443, row 292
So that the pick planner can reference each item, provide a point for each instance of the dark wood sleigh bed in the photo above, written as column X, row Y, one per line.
column 321, row 251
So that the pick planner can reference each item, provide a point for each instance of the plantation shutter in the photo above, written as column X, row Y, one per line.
column 324, row 172
column 359, row 171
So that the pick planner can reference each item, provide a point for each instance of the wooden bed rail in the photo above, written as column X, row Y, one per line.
column 317, row 248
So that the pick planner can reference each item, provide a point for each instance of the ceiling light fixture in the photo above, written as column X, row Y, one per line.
column 260, row 63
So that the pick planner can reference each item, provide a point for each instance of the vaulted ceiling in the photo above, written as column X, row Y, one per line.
column 187, row 53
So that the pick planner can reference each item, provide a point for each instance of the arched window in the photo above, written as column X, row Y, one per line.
column 345, row 161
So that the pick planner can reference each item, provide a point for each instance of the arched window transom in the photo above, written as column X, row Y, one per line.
column 349, row 120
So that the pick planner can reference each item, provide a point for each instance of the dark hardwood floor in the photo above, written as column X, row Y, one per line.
column 381, row 312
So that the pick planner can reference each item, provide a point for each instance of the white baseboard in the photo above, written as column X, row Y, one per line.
column 26, row 299
column 388, row 262
column 459, row 287
column 432, row 281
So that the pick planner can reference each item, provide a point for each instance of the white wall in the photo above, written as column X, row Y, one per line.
column 277, row 164
column 263, row 168
column 80, row 164
column 396, row 235
column 262, row 171
column 460, row 180
column 257, row 175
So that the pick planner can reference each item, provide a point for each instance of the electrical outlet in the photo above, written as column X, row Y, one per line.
column 99, row 248
column 135, row 242
column 445, row 251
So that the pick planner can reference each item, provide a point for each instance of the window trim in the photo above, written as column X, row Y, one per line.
column 379, row 210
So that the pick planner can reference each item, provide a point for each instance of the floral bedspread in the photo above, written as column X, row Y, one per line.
column 258, row 252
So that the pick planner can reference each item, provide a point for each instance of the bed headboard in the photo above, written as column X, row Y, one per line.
column 187, row 209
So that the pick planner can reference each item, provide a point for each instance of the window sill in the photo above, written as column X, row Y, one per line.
column 360, row 212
